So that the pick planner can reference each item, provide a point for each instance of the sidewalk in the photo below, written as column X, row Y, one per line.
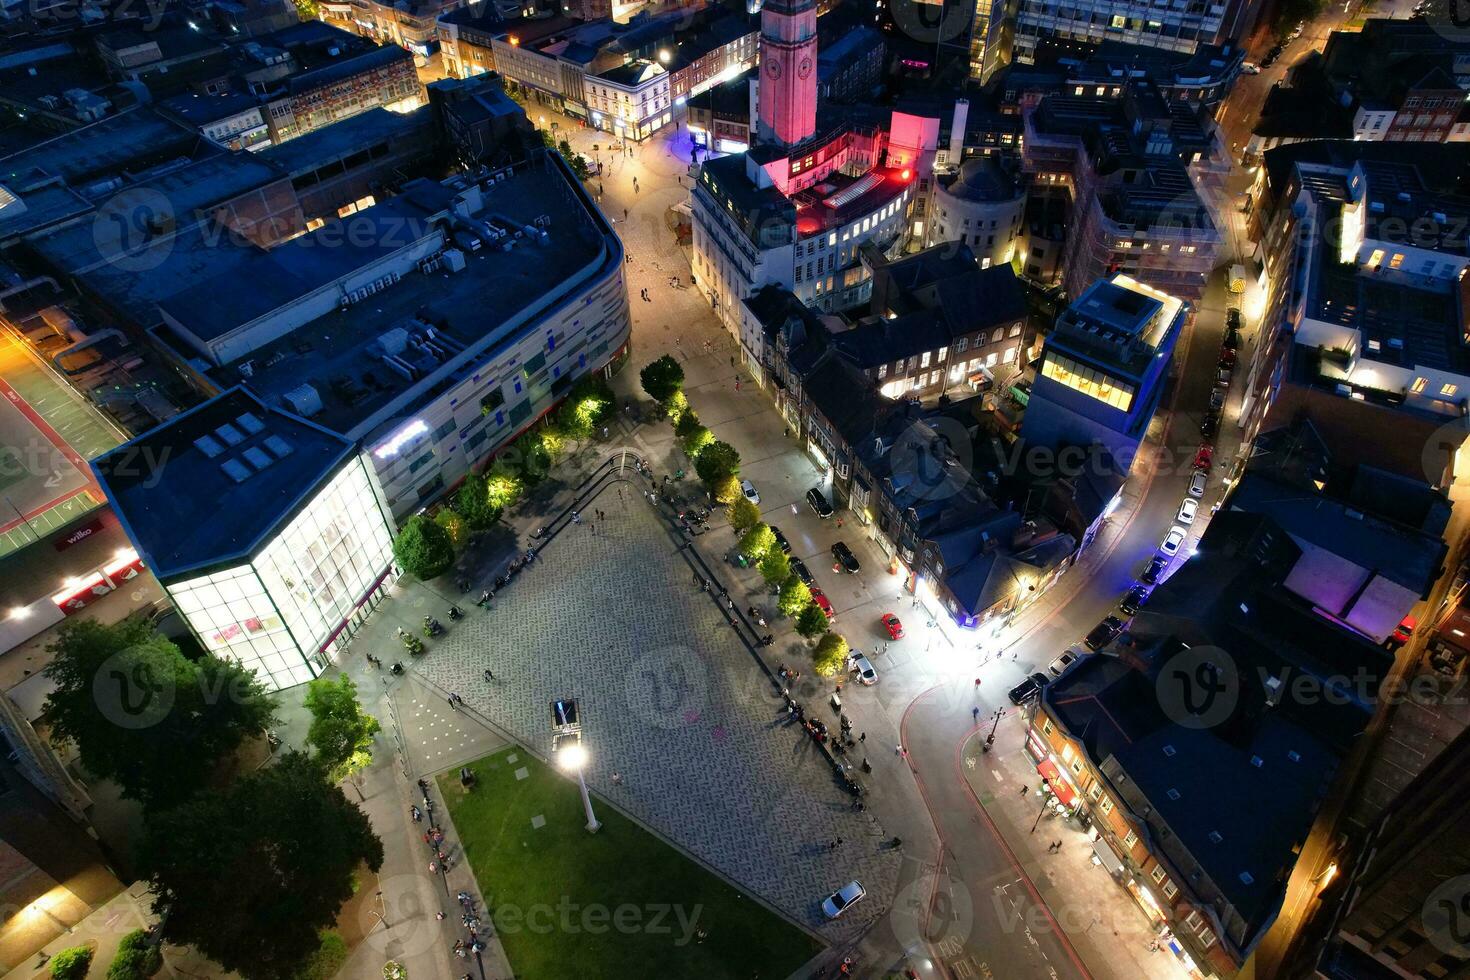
column 1109, row 930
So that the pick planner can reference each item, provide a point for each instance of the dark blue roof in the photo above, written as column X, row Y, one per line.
column 181, row 505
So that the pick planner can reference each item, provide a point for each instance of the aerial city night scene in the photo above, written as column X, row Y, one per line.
column 735, row 489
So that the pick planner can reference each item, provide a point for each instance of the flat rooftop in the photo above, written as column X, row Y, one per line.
column 226, row 474
column 483, row 305
column 1120, row 319
column 838, row 199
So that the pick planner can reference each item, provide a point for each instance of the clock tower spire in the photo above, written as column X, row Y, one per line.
column 788, row 79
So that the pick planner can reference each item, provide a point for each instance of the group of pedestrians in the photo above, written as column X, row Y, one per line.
column 439, row 863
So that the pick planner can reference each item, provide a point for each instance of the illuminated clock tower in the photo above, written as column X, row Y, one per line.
column 788, row 86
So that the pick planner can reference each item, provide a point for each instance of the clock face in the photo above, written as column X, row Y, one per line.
column 773, row 68
column 805, row 68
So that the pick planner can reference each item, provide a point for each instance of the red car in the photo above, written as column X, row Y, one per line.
column 823, row 603
column 1204, row 458
column 893, row 626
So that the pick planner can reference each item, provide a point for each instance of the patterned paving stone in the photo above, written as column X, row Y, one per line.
column 675, row 705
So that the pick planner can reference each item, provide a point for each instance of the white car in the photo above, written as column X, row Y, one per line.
column 1250, row 68
column 843, row 899
column 1187, row 509
column 860, row 665
column 1197, row 483
column 1173, row 541
column 751, row 493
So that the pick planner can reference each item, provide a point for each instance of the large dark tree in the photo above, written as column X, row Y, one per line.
column 662, row 378
column 250, row 875
column 145, row 716
column 472, row 502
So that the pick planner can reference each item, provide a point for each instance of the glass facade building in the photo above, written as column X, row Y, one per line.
column 282, row 613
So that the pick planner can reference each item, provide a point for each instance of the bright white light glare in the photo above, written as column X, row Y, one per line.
column 573, row 757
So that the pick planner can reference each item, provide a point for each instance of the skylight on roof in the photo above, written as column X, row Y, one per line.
column 230, row 435
column 249, row 423
column 279, row 447
column 235, row 470
column 257, row 458
column 208, row 446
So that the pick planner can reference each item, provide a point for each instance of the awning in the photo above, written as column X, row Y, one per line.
column 1105, row 855
column 1059, row 785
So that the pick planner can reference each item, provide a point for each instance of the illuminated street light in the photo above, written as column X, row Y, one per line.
column 566, row 746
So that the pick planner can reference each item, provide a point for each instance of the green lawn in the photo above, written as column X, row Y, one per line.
column 618, row 903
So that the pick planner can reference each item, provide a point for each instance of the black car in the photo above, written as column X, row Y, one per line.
column 802, row 572
column 1209, row 427
column 1156, row 566
column 1029, row 689
column 819, row 503
column 1232, row 318
column 781, row 541
column 1134, row 600
column 844, row 557
column 1104, row 633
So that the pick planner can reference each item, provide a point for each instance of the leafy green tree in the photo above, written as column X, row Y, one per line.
column 307, row 9
column 137, row 958
column 775, row 567
column 696, row 441
column 662, row 378
column 341, row 732
column 717, row 460
column 676, row 406
column 811, row 622
column 472, row 502
column 587, row 408
column 454, row 526
column 504, row 484
column 252, row 874
column 71, row 963
column 758, row 542
column 534, row 460
column 143, row 715
column 795, row 596
column 829, row 659
column 726, row 490
column 688, row 424
column 326, row 961
column 423, row 548
column 744, row 515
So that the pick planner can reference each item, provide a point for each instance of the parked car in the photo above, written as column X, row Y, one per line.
column 859, row 664
column 751, row 493
column 1060, row 664
column 1250, row 68
column 818, row 503
column 1209, row 426
column 1173, row 541
column 843, row 558
column 802, row 572
column 1028, row 689
column 823, row 603
column 1103, row 633
column 1153, row 570
column 1204, row 458
column 1197, row 481
column 1232, row 318
column 1227, row 357
column 843, row 899
column 1188, row 507
column 1217, row 399
column 781, row 541
column 894, row 627
column 1222, row 377
column 1134, row 599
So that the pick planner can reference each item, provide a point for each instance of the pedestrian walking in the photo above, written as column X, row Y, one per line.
column 450, row 699
column 1025, row 790
column 489, row 675
column 977, row 682
column 617, row 779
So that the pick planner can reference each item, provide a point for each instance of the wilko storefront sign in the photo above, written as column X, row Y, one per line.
column 78, row 535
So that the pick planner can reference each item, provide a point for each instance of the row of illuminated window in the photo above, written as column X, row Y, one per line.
column 1088, row 380
column 1446, row 390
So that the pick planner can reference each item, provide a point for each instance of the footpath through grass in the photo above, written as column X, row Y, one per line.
column 618, row 903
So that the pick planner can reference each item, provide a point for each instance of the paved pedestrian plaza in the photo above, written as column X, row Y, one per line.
column 683, row 730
